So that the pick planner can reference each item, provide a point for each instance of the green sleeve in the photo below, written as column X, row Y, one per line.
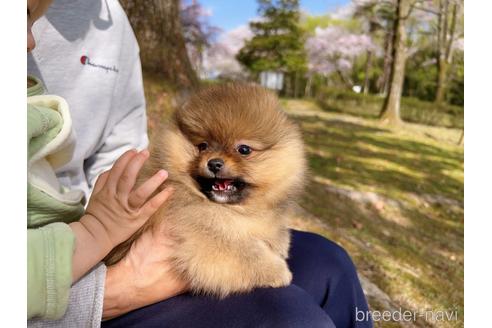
column 49, row 270
column 43, row 124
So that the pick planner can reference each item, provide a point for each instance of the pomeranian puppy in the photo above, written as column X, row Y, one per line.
column 235, row 161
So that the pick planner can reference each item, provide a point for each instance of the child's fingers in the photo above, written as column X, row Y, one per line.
column 155, row 202
column 138, row 197
column 119, row 167
column 101, row 181
column 129, row 175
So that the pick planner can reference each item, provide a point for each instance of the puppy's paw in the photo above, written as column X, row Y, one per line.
column 283, row 278
column 276, row 273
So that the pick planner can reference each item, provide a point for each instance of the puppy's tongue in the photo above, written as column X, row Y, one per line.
column 222, row 184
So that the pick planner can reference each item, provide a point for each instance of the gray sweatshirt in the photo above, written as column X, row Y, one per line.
column 86, row 52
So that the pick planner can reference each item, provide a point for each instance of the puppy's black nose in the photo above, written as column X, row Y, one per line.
column 215, row 165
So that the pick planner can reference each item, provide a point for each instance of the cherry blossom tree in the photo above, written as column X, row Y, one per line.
column 198, row 33
column 220, row 57
column 334, row 49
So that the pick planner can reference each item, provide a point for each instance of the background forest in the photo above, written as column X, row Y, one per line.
column 377, row 88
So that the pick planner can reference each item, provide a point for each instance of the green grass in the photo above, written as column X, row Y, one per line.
column 393, row 197
column 409, row 247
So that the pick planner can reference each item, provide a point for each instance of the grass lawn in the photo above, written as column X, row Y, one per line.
column 393, row 197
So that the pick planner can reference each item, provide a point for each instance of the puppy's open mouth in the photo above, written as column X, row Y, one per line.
column 222, row 190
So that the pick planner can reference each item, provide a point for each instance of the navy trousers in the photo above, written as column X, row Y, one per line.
column 325, row 292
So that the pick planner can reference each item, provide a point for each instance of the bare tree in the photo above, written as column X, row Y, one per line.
column 383, row 80
column 447, row 18
column 157, row 25
column 390, row 112
column 379, row 16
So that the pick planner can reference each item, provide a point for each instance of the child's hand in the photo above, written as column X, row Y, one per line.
column 120, row 208
column 115, row 211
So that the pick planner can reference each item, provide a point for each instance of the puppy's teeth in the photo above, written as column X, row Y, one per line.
column 214, row 187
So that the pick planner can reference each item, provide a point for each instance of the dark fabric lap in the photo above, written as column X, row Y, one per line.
column 325, row 292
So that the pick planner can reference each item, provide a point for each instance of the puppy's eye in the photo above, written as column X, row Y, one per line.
column 203, row 146
column 244, row 149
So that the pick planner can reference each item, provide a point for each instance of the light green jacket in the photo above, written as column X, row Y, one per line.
column 50, row 241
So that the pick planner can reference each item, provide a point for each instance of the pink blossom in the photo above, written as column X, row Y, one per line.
column 220, row 57
column 335, row 48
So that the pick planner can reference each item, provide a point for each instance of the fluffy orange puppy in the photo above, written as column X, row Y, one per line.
column 235, row 161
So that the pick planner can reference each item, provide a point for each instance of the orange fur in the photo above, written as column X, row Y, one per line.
column 228, row 248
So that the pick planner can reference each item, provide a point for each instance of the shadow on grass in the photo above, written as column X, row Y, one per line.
column 412, row 261
column 358, row 155
column 407, row 262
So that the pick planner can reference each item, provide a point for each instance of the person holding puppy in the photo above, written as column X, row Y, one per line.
column 89, row 55
column 64, row 240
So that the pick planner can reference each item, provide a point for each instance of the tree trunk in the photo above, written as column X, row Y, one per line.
column 383, row 80
column 344, row 80
column 296, row 84
column 307, row 90
column 390, row 112
column 288, row 85
column 442, row 74
column 157, row 26
column 444, row 45
column 461, row 137
column 367, row 72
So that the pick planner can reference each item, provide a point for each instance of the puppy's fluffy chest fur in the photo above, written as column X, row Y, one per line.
column 226, row 249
